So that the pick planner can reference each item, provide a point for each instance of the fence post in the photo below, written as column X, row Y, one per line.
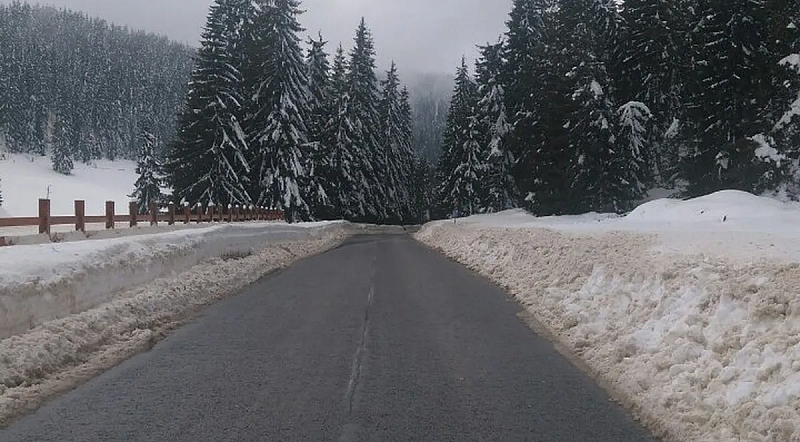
column 230, row 213
column 133, row 213
column 212, row 211
column 236, row 213
column 171, row 214
column 110, row 214
column 199, row 213
column 153, row 213
column 187, row 213
column 80, row 216
column 44, row 216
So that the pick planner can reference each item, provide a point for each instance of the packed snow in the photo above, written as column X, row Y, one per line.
column 690, row 310
column 90, row 305
column 26, row 178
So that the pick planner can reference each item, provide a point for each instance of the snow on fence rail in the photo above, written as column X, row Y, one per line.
column 173, row 215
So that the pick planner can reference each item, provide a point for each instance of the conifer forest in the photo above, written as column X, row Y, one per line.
column 580, row 106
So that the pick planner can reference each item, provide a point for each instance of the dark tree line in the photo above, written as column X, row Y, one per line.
column 271, row 123
column 591, row 103
column 82, row 89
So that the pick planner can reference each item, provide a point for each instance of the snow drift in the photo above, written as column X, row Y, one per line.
column 113, row 298
column 689, row 310
column 39, row 283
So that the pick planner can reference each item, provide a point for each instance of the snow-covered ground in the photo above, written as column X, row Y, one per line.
column 689, row 310
column 69, row 311
column 26, row 178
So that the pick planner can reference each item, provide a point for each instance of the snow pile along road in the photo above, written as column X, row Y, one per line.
column 70, row 311
column 689, row 310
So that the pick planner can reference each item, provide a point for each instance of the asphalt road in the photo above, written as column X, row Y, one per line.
column 378, row 340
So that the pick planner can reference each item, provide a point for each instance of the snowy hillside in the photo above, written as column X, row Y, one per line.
column 26, row 178
column 689, row 310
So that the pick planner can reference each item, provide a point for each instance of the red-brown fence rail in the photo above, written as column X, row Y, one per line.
column 155, row 216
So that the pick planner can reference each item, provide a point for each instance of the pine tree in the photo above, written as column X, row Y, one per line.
column 320, row 113
column 150, row 171
column 393, row 139
column 596, row 170
column 277, row 121
column 61, row 157
column 783, row 111
column 654, row 67
column 346, row 180
column 539, row 105
column 726, row 96
column 462, row 166
column 364, row 117
column 208, row 160
column 410, row 158
column 501, row 190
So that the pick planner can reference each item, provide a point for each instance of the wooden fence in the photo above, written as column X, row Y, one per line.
column 173, row 215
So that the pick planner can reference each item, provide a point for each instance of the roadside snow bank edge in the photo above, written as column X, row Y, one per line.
column 701, row 348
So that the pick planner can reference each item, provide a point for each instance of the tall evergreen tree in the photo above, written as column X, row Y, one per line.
column 654, row 67
column 462, row 166
column 410, row 158
column 392, row 139
column 277, row 121
column 347, row 177
column 539, row 104
column 208, row 160
column 318, row 86
column 150, row 171
column 599, row 171
column 364, row 116
column 320, row 112
column 727, row 95
column 501, row 192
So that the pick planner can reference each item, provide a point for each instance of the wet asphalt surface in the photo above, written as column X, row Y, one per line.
column 380, row 339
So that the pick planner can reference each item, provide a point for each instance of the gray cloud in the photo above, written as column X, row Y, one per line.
column 421, row 35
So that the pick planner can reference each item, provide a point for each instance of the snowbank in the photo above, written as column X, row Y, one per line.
column 26, row 178
column 39, row 283
column 159, row 286
column 689, row 310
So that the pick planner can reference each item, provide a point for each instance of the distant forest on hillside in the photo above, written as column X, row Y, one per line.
column 80, row 84
column 92, row 86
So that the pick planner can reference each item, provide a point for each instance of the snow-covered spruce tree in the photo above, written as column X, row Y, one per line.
column 279, row 109
column 726, row 97
column 393, row 140
column 539, row 104
column 603, row 176
column 320, row 110
column 501, row 190
column 783, row 111
column 208, row 161
column 150, row 171
column 59, row 146
column 410, row 156
column 462, row 166
column 318, row 68
column 344, row 178
column 654, row 67
column 364, row 117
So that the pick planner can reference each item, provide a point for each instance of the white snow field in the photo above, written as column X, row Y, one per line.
column 689, row 311
column 26, row 178
column 69, row 311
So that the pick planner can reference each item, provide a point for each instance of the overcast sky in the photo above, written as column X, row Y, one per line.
column 421, row 35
